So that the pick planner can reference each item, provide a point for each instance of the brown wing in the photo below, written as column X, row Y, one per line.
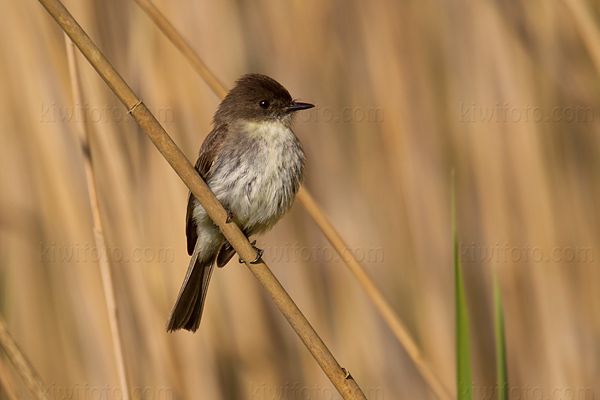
column 225, row 254
column 206, row 158
column 190, row 225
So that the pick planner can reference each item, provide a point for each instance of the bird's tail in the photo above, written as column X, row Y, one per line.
column 187, row 311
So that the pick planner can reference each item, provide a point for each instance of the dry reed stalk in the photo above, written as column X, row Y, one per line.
column 170, row 32
column 341, row 379
column 105, row 270
column 587, row 28
column 317, row 214
column 23, row 367
column 375, row 294
column 6, row 383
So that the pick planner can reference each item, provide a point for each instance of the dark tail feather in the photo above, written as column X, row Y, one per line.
column 187, row 311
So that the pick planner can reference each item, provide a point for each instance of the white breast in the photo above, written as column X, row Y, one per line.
column 257, row 177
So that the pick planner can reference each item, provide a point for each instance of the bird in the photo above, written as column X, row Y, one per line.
column 254, row 164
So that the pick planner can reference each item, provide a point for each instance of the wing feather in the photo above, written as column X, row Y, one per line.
column 206, row 158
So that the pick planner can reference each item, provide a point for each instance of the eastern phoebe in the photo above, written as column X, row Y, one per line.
column 253, row 163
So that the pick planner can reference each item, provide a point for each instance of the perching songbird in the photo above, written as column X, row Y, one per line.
column 254, row 164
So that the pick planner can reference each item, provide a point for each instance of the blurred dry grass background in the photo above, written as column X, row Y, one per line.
column 504, row 92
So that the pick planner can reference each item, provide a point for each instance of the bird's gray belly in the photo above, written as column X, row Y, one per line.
column 259, row 185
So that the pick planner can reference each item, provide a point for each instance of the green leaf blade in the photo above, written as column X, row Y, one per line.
column 463, row 365
column 501, row 375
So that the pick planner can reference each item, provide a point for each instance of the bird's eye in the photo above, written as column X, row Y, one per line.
column 264, row 104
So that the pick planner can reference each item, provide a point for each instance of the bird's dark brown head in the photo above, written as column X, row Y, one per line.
column 258, row 98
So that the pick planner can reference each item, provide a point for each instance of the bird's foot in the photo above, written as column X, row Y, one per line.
column 227, row 220
column 259, row 253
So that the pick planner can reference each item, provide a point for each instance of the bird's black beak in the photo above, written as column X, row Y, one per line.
column 297, row 106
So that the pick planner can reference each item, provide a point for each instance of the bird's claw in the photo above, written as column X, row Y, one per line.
column 227, row 220
column 259, row 253
column 346, row 373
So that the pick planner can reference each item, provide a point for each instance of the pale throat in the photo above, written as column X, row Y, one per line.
column 272, row 130
column 276, row 142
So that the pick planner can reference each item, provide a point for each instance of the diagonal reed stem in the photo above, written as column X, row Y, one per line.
column 105, row 269
column 304, row 197
column 340, row 378
column 6, row 383
column 21, row 364
column 381, row 303
column 587, row 27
